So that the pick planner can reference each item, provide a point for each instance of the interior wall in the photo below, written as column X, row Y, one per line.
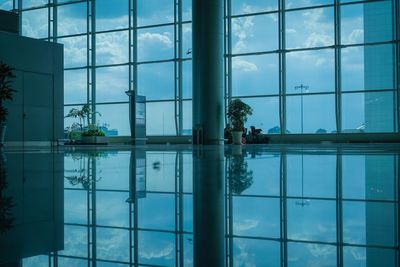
column 36, row 112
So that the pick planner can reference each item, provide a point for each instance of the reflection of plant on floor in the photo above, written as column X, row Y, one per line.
column 84, row 173
column 84, row 127
column 238, row 176
column 6, row 203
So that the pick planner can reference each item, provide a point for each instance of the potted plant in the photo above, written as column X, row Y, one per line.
column 93, row 135
column 6, row 93
column 85, row 131
column 238, row 111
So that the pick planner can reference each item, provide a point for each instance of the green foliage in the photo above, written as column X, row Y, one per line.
column 239, row 177
column 238, row 111
column 6, row 90
column 93, row 132
column 6, row 202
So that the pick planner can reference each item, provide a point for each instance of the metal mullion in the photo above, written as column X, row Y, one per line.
column 228, row 53
column 112, row 65
column 181, row 211
column 176, row 71
column 155, row 25
column 283, row 210
column 93, row 58
column 368, row 91
column 397, row 65
column 339, row 211
column 88, row 50
column 49, row 20
column 307, row 7
column 177, row 207
column 282, row 68
column 338, row 83
column 20, row 16
column 180, row 67
column 253, row 14
column 55, row 20
column 156, row 61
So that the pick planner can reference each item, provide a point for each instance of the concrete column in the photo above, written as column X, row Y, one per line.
column 208, row 55
column 208, row 208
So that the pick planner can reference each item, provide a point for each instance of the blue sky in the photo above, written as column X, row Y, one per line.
column 251, row 75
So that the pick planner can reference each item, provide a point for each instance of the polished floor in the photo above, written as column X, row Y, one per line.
column 326, row 205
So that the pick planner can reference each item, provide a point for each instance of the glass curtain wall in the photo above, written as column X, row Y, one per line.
column 305, row 66
column 113, row 46
column 314, row 66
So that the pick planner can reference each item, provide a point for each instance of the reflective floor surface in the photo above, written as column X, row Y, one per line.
column 192, row 206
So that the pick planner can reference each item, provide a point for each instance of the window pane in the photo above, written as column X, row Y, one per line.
column 156, row 81
column 368, row 112
column 152, row 12
column 310, row 28
column 306, row 3
column 304, row 176
column 253, row 6
column 255, row 33
column 369, row 223
column 71, row 19
column 74, row 51
column 255, row 75
column 111, row 84
column 255, row 216
column 156, row 43
column 187, row 40
column 303, row 254
column 186, row 10
column 75, row 205
column 187, row 118
column 112, row 48
column 251, row 252
column 111, row 15
column 115, row 118
column 111, row 207
column 112, row 244
column 6, row 4
column 75, row 86
column 35, row 23
column 315, row 221
column 313, row 69
column 311, row 114
column 359, row 256
column 368, row 68
column 155, row 243
column 113, row 170
column 157, row 211
column 33, row 3
column 369, row 22
column 369, row 177
column 187, row 79
column 160, row 118
column 265, row 114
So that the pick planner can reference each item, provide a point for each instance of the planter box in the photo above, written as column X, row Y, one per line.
column 94, row 140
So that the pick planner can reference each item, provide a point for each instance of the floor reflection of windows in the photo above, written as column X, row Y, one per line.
column 352, row 224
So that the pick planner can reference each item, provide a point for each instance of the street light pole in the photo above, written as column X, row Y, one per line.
column 301, row 87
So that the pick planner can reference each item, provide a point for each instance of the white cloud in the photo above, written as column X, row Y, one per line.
column 244, row 65
column 163, row 38
column 320, row 251
column 165, row 252
column 356, row 36
column 242, row 226
column 318, row 39
column 242, row 28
